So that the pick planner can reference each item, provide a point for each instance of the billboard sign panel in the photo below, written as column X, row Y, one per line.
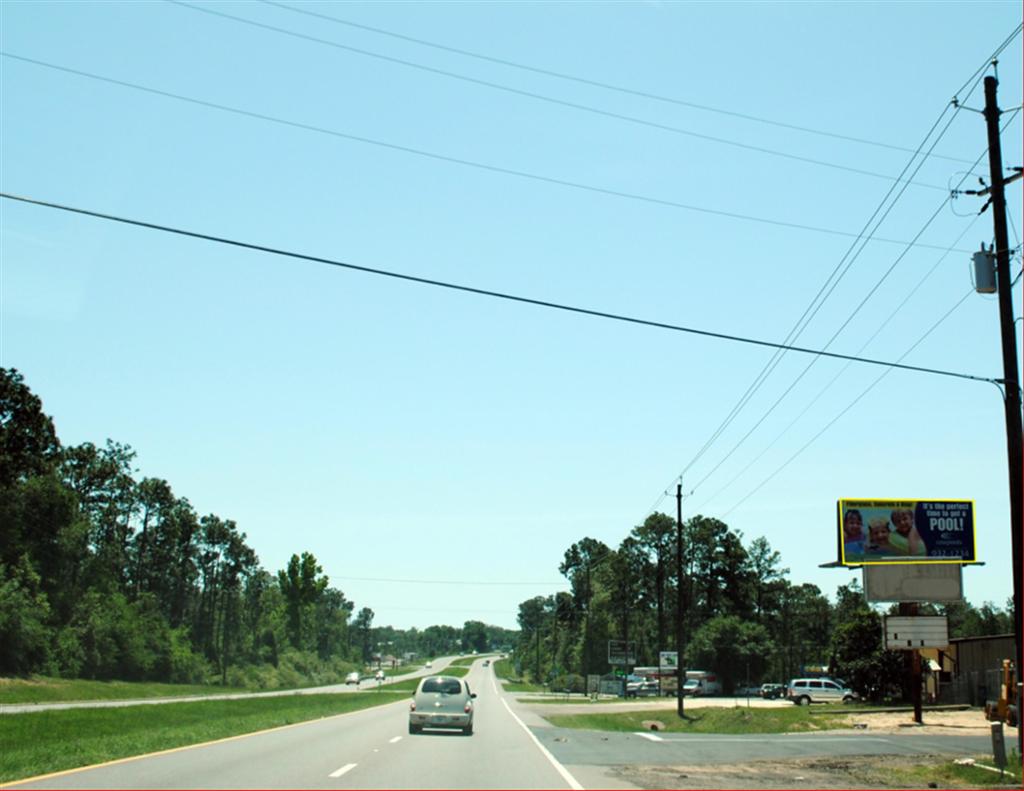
column 908, row 632
column 906, row 531
column 668, row 660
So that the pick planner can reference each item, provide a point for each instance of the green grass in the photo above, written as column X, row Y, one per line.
column 41, row 689
column 410, row 684
column 50, row 741
column 738, row 719
column 504, row 669
column 950, row 775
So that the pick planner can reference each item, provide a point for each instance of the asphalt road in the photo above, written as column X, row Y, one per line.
column 365, row 749
column 511, row 747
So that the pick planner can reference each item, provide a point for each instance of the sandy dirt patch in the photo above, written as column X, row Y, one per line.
column 867, row 772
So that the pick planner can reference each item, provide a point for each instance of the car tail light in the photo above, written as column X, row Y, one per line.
column 467, row 708
column 412, row 706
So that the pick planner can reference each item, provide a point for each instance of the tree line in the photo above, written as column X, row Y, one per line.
column 741, row 616
column 106, row 576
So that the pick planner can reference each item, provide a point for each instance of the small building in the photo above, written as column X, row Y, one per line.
column 968, row 671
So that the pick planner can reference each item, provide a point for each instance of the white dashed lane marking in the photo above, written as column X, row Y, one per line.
column 396, row 739
column 345, row 768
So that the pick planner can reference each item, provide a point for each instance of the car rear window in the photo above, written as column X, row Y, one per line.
column 446, row 686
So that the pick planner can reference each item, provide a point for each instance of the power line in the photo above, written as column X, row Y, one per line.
column 835, row 335
column 850, row 318
column 850, row 406
column 454, row 160
column 797, row 328
column 443, row 582
column 478, row 291
column 597, row 83
column 839, row 374
column 542, row 97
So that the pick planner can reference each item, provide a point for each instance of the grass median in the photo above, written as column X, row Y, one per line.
column 41, row 742
column 739, row 719
column 43, row 689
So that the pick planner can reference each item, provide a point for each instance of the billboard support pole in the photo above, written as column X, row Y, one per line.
column 912, row 664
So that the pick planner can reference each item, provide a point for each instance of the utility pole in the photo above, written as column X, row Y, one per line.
column 680, row 665
column 1011, row 377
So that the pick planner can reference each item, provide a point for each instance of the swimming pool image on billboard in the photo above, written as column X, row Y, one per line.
column 906, row 531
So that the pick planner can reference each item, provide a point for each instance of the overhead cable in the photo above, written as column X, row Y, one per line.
column 597, row 83
column 453, row 160
column 474, row 290
column 544, row 98
column 850, row 406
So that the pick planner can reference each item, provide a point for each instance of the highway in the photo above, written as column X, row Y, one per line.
column 366, row 749
column 511, row 747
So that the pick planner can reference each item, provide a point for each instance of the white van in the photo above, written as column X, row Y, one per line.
column 701, row 682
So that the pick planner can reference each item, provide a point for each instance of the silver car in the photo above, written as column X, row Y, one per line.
column 442, row 702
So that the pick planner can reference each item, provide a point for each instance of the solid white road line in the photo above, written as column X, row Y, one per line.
column 650, row 736
column 396, row 739
column 345, row 768
column 554, row 762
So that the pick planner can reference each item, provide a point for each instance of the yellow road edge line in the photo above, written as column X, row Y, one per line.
column 169, row 750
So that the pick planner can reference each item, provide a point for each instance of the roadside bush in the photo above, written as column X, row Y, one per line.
column 569, row 682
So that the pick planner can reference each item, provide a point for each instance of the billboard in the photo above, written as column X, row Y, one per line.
column 668, row 660
column 906, row 531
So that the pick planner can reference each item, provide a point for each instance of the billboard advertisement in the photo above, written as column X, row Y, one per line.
column 906, row 531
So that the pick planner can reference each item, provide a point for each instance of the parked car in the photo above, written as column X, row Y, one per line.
column 442, row 702
column 352, row 678
column 804, row 691
column 641, row 689
column 748, row 691
column 772, row 691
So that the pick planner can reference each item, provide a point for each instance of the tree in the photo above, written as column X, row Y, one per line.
column 301, row 587
column 474, row 636
column 361, row 627
column 28, row 441
column 731, row 647
column 25, row 637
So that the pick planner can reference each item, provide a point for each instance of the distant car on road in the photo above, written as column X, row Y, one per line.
column 642, row 689
column 429, row 665
column 805, row 691
column 379, row 676
column 352, row 678
column 442, row 702
column 772, row 691
column 487, row 662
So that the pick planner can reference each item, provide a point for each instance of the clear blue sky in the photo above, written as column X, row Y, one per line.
column 404, row 432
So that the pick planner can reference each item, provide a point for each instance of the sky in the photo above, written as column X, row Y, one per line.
column 437, row 450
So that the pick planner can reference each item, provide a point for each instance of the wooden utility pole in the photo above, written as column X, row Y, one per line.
column 680, row 664
column 1011, row 376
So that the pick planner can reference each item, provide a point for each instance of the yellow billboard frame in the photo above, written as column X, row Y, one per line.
column 899, row 503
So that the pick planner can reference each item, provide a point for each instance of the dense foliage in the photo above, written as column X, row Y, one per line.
column 741, row 616
column 104, row 576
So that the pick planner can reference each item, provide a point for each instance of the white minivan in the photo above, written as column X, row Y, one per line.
column 804, row 691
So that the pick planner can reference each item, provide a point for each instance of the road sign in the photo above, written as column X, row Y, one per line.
column 620, row 654
column 914, row 583
column 910, row 632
